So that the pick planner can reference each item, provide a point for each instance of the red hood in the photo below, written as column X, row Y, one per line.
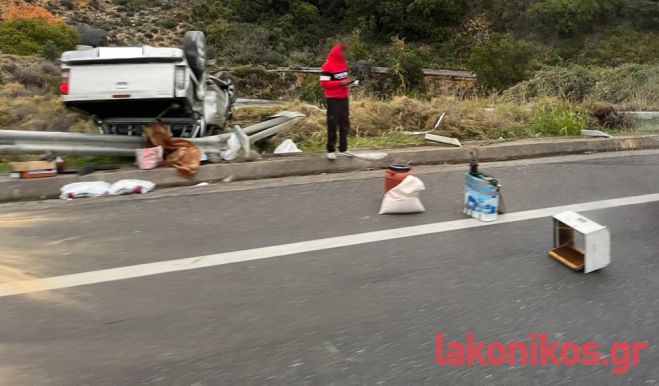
column 336, row 60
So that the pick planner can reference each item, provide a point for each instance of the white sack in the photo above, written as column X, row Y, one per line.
column 131, row 186
column 84, row 189
column 404, row 198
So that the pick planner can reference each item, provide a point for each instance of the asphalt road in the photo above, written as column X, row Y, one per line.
column 367, row 313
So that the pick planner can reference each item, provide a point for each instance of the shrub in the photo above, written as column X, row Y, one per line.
column 502, row 62
column 569, row 17
column 132, row 4
column 632, row 86
column 609, row 118
column 32, row 37
column 558, row 118
column 311, row 91
column 251, row 44
column 406, row 70
column 620, row 45
column 29, row 12
column 49, row 51
column 573, row 83
column 168, row 23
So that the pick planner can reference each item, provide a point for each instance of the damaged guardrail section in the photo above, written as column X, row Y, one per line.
column 20, row 142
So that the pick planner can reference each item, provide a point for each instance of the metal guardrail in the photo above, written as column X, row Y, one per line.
column 438, row 73
column 18, row 142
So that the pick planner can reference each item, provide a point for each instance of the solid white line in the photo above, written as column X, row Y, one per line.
column 149, row 269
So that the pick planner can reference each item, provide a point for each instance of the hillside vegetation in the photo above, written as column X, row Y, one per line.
column 545, row 67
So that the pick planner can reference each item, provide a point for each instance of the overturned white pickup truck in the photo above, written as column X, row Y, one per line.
column 126, row 89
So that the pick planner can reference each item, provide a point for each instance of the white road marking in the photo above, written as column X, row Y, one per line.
column 168, row 266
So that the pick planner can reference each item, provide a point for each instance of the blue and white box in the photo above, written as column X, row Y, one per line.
column 482, row 198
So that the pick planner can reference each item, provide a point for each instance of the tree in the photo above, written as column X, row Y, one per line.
column 431, row 19
column 412, row 19
column 502, row 62
column 642, row 13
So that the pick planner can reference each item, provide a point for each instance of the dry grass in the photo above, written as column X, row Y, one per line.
column 378, row 123
column 28, row 100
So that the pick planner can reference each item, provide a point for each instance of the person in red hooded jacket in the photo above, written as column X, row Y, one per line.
column 336, row 82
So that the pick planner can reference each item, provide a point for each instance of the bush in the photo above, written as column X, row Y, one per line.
column 620, row 45
column 132, row 4
column 33, row 37
column 311, row 91
column 168, row 24
column 502, row 62
column 558, row 118
column 569, row 17
column 250, row 44
column 574, row 83
column 609, row 118
column 406, row 70
column 632, row 86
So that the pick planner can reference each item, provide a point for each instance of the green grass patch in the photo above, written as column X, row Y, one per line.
column 558, row 119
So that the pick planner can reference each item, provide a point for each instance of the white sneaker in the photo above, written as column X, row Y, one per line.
column 331, row 156
column 347, row 153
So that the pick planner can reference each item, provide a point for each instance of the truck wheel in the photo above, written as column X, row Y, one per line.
column 194, row 46
column 94, row 37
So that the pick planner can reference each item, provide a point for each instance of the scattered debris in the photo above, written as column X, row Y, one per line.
column 439, row 122
column 149, row 158
column 181, row 154
column 404, row 198
column 287, row 147
column 228, row 179
column 442, row 139
column 580, row 244
column 131, row 187
column 371, row 156
column 33, row 169
column 202, row 184
column 233, row 147
column 594, row 134
column 101, row 188
column 84, row 189
column 89, row 169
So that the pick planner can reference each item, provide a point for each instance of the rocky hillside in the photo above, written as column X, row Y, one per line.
column 128, row 22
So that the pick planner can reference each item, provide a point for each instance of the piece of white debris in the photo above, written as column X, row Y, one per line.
column 372, row 156
column 594, row 134
column 287, row 147
column 442, row 139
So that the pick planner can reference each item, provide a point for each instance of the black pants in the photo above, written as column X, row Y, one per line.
column 338, row 117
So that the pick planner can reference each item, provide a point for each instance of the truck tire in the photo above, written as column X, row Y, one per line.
column 194, row 46
column 94, row 37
